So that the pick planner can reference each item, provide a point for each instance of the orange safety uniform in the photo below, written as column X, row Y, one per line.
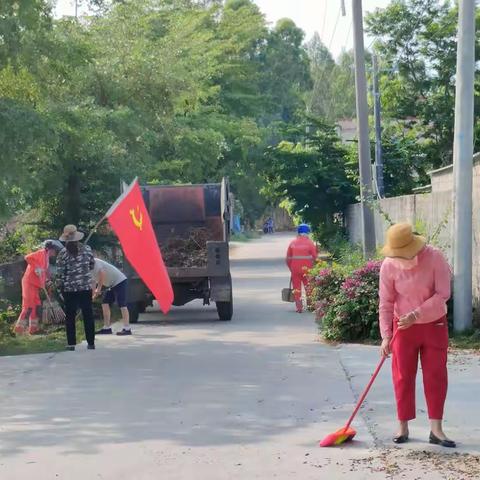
column 301, row 256
column 33, row 280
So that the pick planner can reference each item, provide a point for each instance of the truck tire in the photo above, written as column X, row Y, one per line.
column 225, row 310
column 134, row 311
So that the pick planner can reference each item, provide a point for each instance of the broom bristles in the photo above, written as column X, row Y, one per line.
column 54, row 313
column 337, row 438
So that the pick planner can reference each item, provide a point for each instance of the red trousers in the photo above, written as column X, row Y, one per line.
column 299, row 272
column 430, row 342
column 30, row 300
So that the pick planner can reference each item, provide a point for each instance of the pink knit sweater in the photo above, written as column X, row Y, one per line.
column 424, row 289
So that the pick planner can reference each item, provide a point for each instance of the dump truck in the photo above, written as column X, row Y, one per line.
column 176, row 211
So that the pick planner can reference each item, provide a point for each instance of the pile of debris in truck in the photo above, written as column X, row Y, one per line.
column 188, row 251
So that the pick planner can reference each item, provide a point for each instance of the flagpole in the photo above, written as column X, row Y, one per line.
column 94, row 229
column 126, row 191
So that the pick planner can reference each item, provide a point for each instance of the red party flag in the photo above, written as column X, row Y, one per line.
column 130, row 220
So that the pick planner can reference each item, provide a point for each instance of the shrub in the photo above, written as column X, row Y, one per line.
column 345, row 254
column 8, row 315
column 325, row 279
column 324, row 284
column 10, row 246
column 353, row 313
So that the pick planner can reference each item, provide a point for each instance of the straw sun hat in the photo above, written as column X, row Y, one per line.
column 71, row 234
column 402, row 242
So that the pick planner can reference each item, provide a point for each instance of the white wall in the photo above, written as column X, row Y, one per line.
column 430, row 209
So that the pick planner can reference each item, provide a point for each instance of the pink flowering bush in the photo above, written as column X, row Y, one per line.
column 345, row 299
column 324, row 284
column 353, row 312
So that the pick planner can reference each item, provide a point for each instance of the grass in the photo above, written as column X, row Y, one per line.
column 245, row 236
column 52, row 340
column 32, row 344
column 466, row 341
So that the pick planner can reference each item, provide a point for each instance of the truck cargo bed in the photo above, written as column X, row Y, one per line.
column 187, row 272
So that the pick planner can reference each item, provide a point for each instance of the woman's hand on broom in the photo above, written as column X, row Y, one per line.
column 385, row 349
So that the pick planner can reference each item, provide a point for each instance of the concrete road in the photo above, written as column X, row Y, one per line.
column 189, row 397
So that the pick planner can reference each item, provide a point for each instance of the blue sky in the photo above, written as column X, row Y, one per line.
column 310, row 15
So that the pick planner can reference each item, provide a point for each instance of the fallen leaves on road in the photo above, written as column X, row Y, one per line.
column 420, row 464
column 458, row 466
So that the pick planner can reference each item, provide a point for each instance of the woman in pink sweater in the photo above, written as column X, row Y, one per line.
column 414, row 289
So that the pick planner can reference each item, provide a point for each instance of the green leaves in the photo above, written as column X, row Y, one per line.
column 168, row 90
column 333, row 93
column 309, row 168
column 417, row 46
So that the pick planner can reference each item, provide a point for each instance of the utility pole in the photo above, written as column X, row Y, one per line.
column 368, row 220
column 463, row 166
column 76, row 8
column 378, row 130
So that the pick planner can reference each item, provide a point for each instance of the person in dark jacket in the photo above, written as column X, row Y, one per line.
column 74, row 277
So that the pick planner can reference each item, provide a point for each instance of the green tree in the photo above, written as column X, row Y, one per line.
column 286, row 71
column 417, row 45
column 167, row 90
column 309, row 168
column 333, row 93
column 22, row 26
column 342, row 91
column 321, row 67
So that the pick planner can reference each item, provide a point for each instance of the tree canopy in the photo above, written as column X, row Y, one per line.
column 170, row 91
column 188, row 91
column 417, row 47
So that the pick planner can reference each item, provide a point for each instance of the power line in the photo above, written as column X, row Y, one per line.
column 324, row 19
column 335, row 28
column 332, row 100
column 372, row 42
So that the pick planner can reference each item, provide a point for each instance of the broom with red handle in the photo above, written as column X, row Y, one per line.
column 346, row 433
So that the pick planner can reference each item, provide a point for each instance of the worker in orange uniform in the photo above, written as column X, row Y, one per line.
column 33, row 281
column 301, row 256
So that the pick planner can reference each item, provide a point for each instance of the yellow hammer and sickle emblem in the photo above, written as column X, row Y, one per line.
column 138, row 222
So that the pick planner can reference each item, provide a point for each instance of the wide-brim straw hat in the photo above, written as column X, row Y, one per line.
column 71, row 234
column 403, row 242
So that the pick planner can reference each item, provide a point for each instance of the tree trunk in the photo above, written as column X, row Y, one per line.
column 72, row 199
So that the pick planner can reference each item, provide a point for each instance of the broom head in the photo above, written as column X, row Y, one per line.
column 53, row 313
column 337, row 438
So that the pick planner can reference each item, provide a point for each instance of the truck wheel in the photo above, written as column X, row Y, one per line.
column 134, row 311
column 225, row 310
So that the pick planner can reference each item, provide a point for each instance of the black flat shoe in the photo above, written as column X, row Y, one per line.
column 444, row 443
column 104, row 331
column 400, row 439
